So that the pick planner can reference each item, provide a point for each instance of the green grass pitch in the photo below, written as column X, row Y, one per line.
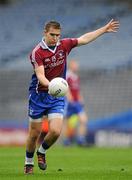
column 70, row 163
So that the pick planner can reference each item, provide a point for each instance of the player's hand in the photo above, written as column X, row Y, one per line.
column 112, row 26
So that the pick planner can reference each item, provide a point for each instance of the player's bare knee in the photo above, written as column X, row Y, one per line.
column 33, row 139
column 55, row 132
column 34, row 134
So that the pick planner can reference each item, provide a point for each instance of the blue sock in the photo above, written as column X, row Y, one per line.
column 29, row 154
column 45, row 145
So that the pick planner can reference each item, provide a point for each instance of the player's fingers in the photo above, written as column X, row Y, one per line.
column 111, row 21
column 115, row 23
column 114, row 30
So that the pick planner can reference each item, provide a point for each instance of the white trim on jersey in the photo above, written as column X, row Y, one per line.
column 33, row 54
column 44, row 46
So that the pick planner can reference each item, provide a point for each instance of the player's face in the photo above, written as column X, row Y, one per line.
column 52, row 36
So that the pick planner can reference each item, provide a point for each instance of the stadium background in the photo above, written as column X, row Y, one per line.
column 105, row 65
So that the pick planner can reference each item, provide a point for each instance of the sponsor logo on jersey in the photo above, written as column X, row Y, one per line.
column 54, row 64
column 47, row 60
column 53, row 58
column 60, row 55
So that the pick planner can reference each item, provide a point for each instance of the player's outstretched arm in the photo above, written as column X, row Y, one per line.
column 112, row 26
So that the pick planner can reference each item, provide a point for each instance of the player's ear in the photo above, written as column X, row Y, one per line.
column 44, row 32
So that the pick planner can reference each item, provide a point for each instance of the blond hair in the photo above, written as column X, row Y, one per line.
column 54, row 24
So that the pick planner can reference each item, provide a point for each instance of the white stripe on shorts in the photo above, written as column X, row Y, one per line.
column 55, row 115
column 50, row 116
column 36, row 120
